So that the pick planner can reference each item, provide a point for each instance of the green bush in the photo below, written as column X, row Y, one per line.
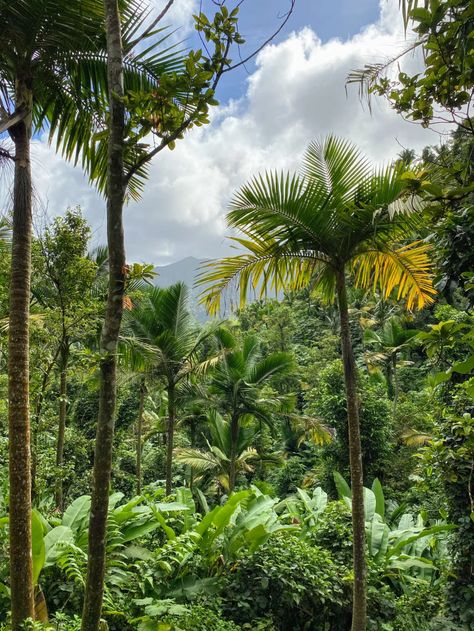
column 417, row 610
column 334, row 532
column 327, row 401
column 297, row 584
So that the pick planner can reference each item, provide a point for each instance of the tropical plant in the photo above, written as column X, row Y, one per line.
column 159, row 329
column 295, row 583
column 400, row 544
column 387, row 344
column 52, row 71
column 64, row 288
column 39, row 39
column 216, row 460
column 236, row 385
column 339, row 216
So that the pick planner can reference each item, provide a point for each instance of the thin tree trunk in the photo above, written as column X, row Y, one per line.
column 141, row 407
column 193, row 445
column 21, row 575
column 359, row 602
column 389, row 373
column 170, row 438
column 64, row 357
column 36, row 422
column 234, row 436
column 395, row 384
column 111, row 328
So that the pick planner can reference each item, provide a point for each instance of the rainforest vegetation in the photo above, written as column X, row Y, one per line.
column 304, row 458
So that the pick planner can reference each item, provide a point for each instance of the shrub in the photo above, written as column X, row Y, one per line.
column 327, row 401
column 295, row 583
column 334, row 532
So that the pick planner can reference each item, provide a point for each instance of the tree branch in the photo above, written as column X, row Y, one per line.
column 285, row 16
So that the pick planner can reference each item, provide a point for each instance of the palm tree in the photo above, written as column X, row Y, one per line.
column 161, row 328
column 338, row 216
column 237, row 387
column 387, row 344
column 37, row 41
column 216, row 461
column 53, row 70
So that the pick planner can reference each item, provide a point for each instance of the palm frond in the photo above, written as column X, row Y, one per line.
column 199, row 460
column 406, row 268
column 336, row 166
column 276, row 363
column 416, row 438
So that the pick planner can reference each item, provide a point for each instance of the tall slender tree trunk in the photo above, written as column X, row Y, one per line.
column 395, row 383
column 359, row 601
column 21, row 575
column 111, row 328
column 141, row 407
column 234, row 437
column 170, row 437
column 64, row 358
column 390, row 379
column 192, row 436
column 36, row 421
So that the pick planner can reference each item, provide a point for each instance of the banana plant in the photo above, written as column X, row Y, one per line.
column 305, row 509
column 242, row 524
column 63, row 542
column 402, row 545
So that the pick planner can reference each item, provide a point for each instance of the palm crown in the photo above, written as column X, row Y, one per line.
column 59, row 48
column 160, row 333
column 239, row 376
column 339, row 213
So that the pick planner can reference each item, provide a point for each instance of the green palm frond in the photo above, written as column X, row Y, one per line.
column 416, row 438
column 61, row 44
column 336, row 167
column 340, row 215
column 276, row 363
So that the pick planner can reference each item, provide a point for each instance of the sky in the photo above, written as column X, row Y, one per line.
column 292, row 93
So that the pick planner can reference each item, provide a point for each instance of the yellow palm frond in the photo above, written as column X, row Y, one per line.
column 406, row 268
column 264, row 267
column 416, row 438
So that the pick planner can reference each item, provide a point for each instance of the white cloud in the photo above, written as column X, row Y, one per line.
column 296, row 93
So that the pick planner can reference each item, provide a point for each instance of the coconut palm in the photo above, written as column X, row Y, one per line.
column 161, row 330
column 339, row 216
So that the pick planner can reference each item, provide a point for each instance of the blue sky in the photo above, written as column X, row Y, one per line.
column 260, row 18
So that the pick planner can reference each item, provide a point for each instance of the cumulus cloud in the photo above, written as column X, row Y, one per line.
column 296, row 93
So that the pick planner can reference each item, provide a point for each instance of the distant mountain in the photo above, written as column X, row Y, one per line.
column 185, row 271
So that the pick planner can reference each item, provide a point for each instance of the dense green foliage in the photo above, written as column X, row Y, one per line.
column 230, row 506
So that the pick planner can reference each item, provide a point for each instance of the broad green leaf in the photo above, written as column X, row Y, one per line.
column 342, row 487
column 369, row 504
column 134, row 531
column 464, row 367
column 378, row 538
column 203, row 501
column 77, row 512
column 54, row 540
column 379, row 498
column 169, row 507
column 37, row 545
